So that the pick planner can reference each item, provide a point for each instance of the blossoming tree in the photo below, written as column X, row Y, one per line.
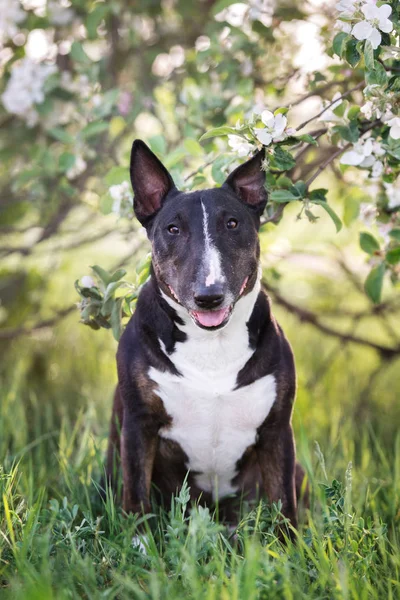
column 81, row 79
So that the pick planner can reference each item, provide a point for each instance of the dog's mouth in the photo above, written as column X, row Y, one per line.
column 211, row 319
column 215, row 318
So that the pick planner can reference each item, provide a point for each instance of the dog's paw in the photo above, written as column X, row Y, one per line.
column 139, row 542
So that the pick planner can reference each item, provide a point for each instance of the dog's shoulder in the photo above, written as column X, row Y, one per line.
column 272, row 351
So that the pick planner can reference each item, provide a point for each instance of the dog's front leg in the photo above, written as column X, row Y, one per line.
column 277, row 460
column 138, row 450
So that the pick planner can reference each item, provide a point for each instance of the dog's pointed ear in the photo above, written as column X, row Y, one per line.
column 247, row 181
column 150, row 180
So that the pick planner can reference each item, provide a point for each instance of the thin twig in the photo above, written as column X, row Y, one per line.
column 353, row 89
column 309, row 317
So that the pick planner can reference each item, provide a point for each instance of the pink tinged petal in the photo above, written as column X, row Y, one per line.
column 263, row 136
column 362, row 30
column 375, row 38
column 384, row 11
column 385, row 25
column 267, row 118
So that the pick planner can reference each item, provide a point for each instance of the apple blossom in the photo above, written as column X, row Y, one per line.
column 376, row 18
column 122, row 199
column 274, row 130
column 25, row 89
column 88, row 282
column 240, row 145
column 11, row 13
column 394, row 125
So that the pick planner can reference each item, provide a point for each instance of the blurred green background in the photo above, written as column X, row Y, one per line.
column 166, row 72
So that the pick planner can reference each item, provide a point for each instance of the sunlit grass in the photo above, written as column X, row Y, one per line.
column 59, row 538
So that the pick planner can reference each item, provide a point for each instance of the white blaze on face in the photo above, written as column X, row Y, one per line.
column 212, row 258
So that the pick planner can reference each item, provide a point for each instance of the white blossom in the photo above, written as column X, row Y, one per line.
column 239, row 145
column 368, row 213
column 58, row 13
column 25, row 89
column 365, row 154
column 376, row 18
column 11, row 13
column 77, row 168
column 394, row 125
column 393, row 193
column 122, row 199
column 343, row 26
column 347, row 8
column 88, row 282
column 384, row 229
column 274, row 130
column 328, row 115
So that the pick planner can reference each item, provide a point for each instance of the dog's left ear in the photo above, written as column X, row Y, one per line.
column 150, row 180
column 247, row 181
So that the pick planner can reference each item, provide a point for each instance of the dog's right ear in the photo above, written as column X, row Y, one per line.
column 150, row 180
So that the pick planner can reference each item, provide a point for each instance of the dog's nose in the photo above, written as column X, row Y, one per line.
column 208, row 298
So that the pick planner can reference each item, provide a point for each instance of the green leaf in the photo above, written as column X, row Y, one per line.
column 368, row 55
column 94, row 128
column 282, row 160
column 374, row 282
column 351, row 54
column 102, row 273
column 395, row 234
column 283, row 196
column 158, row 144
column 218, row 131
column 301, row 188
column 351, row 210
column 193, row 147
column 117, row 275
column 368, row 243
column 111, row 288
column 350, row 133
column 339, row 43
column 281, row 111
column 318, row 194
column 115, row 319
column 353, row 113
column 66, row 161
column 95, row 17
column 61, row 135
column 331, row 213
column 77, row 53
column 116, row 175
column 217, row 172
column 377, row 76
column 306, row 137
column 393, row 256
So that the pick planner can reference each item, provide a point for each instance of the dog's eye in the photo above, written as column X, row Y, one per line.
column 232, row 224
column 173, row 229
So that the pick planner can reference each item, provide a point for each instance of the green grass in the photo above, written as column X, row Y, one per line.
column 60, row 539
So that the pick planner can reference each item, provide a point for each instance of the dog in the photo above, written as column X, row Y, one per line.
column 206, row 377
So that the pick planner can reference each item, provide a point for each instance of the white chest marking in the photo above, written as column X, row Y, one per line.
column 212, row 421
column 212, row 258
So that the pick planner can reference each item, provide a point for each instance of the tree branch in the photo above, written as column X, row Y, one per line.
column 309, row 317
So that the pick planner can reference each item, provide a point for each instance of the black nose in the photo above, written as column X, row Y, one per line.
column 208, row 298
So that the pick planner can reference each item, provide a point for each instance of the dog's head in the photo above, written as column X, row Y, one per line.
column 205, row 243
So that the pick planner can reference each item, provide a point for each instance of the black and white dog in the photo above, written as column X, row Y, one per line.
column 206, row 376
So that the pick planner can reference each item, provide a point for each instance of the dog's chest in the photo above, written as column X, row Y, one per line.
column 211, row 420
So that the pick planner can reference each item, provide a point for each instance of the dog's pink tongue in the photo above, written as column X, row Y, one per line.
column 211, row 318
